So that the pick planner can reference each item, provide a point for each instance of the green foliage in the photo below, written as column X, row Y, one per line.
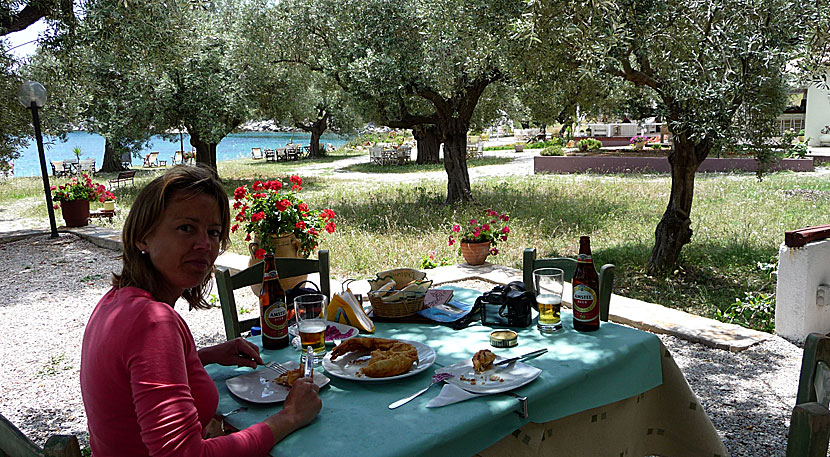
column 755, row 311
column 431, row 260
column 656, row 146
column 56, row 364
column 589, row 144
column 555, row 141
column 392, row 136
column 553, row 151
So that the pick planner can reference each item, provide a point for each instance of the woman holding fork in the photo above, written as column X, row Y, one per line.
column 144, row 386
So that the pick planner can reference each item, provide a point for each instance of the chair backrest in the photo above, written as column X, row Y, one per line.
column 57, row 167
column 177, row 157
column 568, row 266
column 256, row 153
column 809, row 433
column 226, row 283
column 87, row 165
column 14, row 443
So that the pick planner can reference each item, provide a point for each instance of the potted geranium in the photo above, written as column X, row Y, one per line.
column 480, row 238
column 278, row 221
column 638, row 141
column 73, row 199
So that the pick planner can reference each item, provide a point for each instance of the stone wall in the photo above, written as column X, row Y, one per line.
column 801, row 305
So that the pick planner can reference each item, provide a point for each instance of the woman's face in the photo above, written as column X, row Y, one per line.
column 185, row 243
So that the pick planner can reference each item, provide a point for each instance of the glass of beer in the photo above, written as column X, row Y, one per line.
column 310, row 312
column 549, row 284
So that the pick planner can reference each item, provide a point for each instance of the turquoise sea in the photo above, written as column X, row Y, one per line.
column 234, row 146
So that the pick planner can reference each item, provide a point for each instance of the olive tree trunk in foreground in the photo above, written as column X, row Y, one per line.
column 455, row 163
column 205, row 152
column 428, row 141
column 674, row 230
column 316, row 129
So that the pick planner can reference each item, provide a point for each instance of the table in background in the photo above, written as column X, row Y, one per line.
column 581, row 372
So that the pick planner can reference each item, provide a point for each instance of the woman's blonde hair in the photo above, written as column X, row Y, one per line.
column 144, row 216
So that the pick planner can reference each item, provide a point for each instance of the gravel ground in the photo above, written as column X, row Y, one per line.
column 52, row 286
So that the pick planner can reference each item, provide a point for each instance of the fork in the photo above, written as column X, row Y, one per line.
column 277, row 368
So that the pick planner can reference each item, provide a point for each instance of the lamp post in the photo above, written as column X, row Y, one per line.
column 32, row 95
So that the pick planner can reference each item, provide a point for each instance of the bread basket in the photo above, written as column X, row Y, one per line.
column 402, row 298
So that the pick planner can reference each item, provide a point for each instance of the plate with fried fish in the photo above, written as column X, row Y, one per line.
column 378, row 359
column 479, row 375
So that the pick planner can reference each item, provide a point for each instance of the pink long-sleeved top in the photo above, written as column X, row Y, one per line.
column 144, row 388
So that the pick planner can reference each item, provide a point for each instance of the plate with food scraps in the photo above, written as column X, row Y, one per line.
column 501, row 378
column 349, row 365
column 261, row 386
column 334, row 331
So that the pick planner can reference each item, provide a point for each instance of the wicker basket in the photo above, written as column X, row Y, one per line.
column 408, row 302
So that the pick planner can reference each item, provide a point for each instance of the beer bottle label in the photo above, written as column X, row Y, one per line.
column 275, row 320
column 584, row 258
column 268, row 275
column 585, row 303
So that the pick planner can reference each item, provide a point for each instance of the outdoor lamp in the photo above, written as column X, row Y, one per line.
column 32, row 95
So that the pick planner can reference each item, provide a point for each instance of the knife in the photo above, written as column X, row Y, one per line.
column 521, row 357
column 308, row 372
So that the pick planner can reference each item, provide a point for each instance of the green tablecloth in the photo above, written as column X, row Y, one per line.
column 580, row 371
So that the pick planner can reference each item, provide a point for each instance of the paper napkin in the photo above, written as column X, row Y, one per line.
column 451, row 394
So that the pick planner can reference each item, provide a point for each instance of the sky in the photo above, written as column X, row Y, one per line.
column 25, row 36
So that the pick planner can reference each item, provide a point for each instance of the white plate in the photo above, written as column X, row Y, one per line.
column 342, row 328
column 514, row 375
column 261, row 386
column 343, row 368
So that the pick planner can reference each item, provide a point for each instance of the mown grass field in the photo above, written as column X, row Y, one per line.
column 738, row 222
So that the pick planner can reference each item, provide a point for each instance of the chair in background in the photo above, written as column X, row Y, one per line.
column 810, row 422
column 226, row 283
column 57, row 168
column 568, row 265
column 126, row 160
column 177, row 158
column 256, row 153
column 87, row 166
column 376, row 155
column 151, row 160
column 271, row 155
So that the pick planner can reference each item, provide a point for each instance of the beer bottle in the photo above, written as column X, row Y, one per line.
column 273, row 312
column 585, row 289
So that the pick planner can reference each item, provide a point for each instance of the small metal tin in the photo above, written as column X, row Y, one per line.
column 504, row 338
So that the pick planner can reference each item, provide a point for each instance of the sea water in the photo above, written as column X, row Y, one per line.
column 233, row 146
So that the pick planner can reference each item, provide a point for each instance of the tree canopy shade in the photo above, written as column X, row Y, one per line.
column 420, row 62
column 716, row 67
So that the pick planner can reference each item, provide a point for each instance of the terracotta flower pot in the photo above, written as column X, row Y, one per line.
column 75, row 213
column 475, row 253
column 286, row 246
column 639, row 145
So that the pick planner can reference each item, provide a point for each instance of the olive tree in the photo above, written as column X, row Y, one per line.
column 421, row 62
column 715, row 66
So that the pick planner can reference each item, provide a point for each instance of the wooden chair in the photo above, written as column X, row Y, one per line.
column 15, row 444
column 126, row 160
column 256, row 153
column 271, row 155
column 57, row 168
column 568, row 265
column 810, row 422
column 226, row 283
column 177, row 158
column 87, row 166
column 123, row 177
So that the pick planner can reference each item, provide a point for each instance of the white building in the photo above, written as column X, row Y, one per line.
column 818, row 112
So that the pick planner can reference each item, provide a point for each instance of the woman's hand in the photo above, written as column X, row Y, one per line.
column 237, row 352
column 301, row 407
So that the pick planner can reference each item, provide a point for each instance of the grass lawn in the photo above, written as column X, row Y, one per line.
column 738, row 222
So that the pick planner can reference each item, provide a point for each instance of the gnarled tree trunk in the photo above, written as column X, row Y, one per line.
column 455, row 163
column 205, row 152
column 316, row 128
column 674, row 230
column 428, row 139
column 112, row 157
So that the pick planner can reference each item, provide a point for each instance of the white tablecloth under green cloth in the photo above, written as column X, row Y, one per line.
column 580, row 371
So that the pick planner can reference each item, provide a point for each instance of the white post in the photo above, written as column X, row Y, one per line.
column 802, row 302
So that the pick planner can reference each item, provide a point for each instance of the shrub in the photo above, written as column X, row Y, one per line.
column 589, row 144
column 755, row 311
column 555, row 150
column 555, row 141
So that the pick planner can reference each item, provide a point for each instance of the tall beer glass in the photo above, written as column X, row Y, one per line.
column 310, row 312
column 549, row 284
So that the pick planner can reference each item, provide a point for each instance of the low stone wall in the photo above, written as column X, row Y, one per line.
column 597, row 164
column 802, row 294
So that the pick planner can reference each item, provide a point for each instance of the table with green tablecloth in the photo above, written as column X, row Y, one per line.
column 610, row 371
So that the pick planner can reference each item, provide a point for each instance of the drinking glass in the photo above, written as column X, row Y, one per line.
column 549, row 284
column 310, row 312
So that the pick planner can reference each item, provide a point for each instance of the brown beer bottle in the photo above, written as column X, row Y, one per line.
column 585, row 289
column 273, row 312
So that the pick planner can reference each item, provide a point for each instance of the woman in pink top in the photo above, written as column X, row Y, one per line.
column 145, row 389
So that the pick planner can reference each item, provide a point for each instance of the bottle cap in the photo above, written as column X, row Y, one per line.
column 256, row 331
column 504, row 338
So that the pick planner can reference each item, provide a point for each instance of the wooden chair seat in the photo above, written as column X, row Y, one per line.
column 809, row 433
column 15, row 444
